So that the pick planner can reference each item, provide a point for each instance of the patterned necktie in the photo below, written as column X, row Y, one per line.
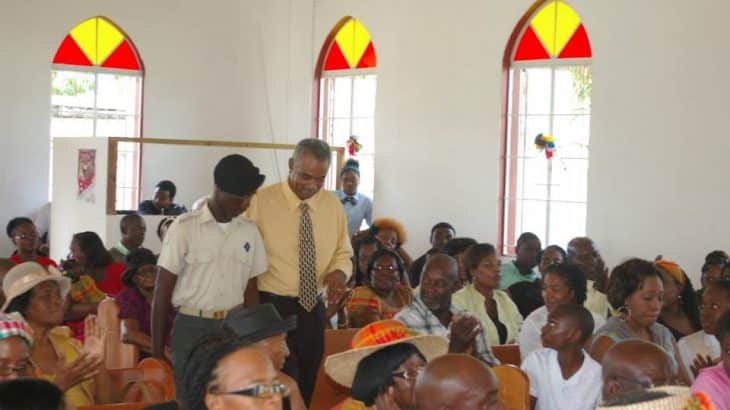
column 307, row 258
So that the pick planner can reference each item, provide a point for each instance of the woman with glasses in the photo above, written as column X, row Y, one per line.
column 383, row 364
column 385, row 291
column 636, row 292
column 225, row 372
column 135, row 301
column 24, row 235
column 15, row 344
column 498, row 314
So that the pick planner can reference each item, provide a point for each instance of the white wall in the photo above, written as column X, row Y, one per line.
column 70, row 215
column 243, row 70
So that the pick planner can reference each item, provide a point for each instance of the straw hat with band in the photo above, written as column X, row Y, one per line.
column 25, row 276
column 341, row 367
column 661, row 398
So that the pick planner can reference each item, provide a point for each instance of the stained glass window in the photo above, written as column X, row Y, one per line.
column 555, row 31
column 550, row 82
column 347, row 96
column 96, row 80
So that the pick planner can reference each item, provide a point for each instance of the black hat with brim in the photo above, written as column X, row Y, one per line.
column 258, row 322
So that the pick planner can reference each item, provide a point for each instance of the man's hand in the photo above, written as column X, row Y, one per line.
column 701, row 362
column 335, row 284
column 464, row 331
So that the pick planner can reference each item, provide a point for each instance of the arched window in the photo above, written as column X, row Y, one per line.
column 97, row 91
column 546, row 126
column 345, row 93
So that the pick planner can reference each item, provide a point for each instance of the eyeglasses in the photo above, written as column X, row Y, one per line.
column 409, row 374
column 23, row 369
column 389, row 269
column 262, row 391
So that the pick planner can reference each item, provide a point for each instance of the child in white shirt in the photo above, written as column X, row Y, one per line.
column 562, row 375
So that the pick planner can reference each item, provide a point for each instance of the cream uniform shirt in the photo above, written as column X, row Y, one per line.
column 213, row 264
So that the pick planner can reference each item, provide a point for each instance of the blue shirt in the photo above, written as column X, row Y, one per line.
column 362, row 208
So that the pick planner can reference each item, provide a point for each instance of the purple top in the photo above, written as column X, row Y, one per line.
column 714, row 381
column 132, row 305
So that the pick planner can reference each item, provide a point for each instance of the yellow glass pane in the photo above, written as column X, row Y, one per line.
column 567, row 22
column 544, row 26
column 107, row 41
column 353, row 39
column 85, row 36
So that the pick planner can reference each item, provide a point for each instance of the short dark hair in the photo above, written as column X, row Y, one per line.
column 360, row 277
column 560, row 250
column 375, row 372
column 442, row 225
column 627, row 278
column 458, row 245
column 30, row 394
column 316, row 147
column 476, row 253
column 714, row 258
column 202, row 362
column 135, row 259
column 385, row 252
column 19, row 303
column 723, row 327
column 169, row 186
column 527, row 236
column 93, row 247
column 351, row 165
column 15, row 223
column 574, row 279
column 581, row 316
column 126, row 219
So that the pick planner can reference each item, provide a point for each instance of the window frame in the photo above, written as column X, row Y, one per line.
column 510, row 96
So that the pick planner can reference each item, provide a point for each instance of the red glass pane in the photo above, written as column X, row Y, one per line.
column 579, row 46
column 335, row 59
column 123, row 57
column 530, row 47
column 368, row 59
column 70, row 53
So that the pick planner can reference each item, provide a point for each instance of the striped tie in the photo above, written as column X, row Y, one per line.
column 307, row 259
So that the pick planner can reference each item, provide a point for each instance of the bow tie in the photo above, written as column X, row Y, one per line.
column 350, row 199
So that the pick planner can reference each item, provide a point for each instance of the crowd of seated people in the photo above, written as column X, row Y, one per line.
column 425, row 331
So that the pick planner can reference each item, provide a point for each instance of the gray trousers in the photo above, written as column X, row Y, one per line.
column 186, row 332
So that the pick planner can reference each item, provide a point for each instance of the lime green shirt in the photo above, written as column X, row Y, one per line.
column 511, row 275
column 472, row 301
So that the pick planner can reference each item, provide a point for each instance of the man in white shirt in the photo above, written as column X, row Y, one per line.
column 701, row 349
column 582, row 251
column 209, row 262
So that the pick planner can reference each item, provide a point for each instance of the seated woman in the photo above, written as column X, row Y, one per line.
column 135, row 301
column 162, row 202
column 24, row 235
column 456, row 248
column 715, row 381
column 385, row 293
column 38, row 294
column 498, row 314
column 636, row 292
column 392, row 235
column 95, row 275
column 15, row 342
column 680, row 312
column 563, row 284
column 382, row 366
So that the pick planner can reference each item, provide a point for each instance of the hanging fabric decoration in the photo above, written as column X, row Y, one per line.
column 545, row 143
column 353, row 147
